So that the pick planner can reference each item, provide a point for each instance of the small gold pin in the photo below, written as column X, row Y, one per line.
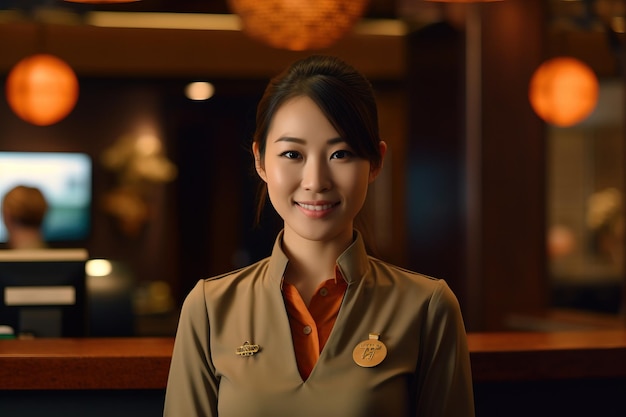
column 247, row 349
column 371, row 352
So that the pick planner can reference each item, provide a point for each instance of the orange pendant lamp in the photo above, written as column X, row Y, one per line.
column 42, row 89
column 563, row 91
column 298, row 25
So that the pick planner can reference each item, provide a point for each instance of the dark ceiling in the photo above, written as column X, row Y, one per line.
column 376, row 8
column 576, row 14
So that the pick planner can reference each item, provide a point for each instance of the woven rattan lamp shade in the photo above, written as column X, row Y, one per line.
column 298, row 25
column 462, row 1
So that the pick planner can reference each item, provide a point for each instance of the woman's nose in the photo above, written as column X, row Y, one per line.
column 316, row 176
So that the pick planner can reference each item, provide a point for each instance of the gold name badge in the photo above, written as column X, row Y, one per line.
column 371, row 352
column 247, row 349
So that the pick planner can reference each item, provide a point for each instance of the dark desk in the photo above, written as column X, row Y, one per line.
column 515, row 374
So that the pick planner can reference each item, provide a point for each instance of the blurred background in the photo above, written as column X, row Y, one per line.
column 505, row 174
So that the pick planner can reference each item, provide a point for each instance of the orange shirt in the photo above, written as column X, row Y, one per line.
column 310, row 327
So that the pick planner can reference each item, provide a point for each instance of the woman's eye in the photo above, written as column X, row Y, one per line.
column 290, row 154
column 341, row 154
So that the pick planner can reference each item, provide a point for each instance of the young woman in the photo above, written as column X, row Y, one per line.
column 319, row 328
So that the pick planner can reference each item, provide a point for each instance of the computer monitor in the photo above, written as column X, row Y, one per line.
column 44, row 292
column 65, row 179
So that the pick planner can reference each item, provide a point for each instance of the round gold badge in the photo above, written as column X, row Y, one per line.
column 369, row 353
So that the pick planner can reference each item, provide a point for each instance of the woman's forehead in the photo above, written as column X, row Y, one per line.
column 301, row 119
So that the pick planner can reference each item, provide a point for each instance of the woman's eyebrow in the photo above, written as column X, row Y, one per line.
column 335, row 141
column 332, row 141
column 290, row 139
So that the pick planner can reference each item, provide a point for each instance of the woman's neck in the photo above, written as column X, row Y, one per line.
column 311, row 262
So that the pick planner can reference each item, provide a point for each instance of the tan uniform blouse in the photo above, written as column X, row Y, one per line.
column 426, row 372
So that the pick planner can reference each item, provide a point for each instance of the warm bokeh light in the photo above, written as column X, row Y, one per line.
column 42, row 89
column 147, row 145
column 563, row 91
column 199, row 91
column 561, row 241
column 98, row 267
column 298, row 25
column 618, row 24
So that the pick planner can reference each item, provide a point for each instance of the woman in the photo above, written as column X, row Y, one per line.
column 319, row 328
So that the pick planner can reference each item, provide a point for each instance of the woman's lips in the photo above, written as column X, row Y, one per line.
column 316, row 210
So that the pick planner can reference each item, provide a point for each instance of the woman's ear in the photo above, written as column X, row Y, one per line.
column 258, row 164
column 375, row 171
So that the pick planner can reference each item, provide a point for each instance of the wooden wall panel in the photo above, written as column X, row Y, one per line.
column 476, row 183
column 513, row 165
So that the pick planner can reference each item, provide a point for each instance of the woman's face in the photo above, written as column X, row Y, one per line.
column 314, row 180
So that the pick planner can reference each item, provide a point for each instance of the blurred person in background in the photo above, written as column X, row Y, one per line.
column 23, row 211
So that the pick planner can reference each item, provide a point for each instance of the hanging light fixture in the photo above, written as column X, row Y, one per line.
column 42, row 89
column 563, row 91
column 298, row 25
column 462, row 1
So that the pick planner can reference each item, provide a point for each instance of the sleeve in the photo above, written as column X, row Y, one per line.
column 192, row 385
column 444, row 378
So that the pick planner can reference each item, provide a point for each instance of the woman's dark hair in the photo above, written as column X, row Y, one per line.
column 343, row 94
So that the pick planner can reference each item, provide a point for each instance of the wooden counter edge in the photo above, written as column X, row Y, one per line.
column 143, row 363
column 516, row 356
column 76, row 364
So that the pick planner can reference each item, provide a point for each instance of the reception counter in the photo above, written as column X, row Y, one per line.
column 70, row 364
column 548, row 356
column 564, row 373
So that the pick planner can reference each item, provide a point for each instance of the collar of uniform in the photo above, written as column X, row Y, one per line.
column 352, row 263
column 278, row 260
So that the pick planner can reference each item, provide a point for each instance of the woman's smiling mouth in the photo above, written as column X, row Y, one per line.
column 317, row 207
column 316, row 210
